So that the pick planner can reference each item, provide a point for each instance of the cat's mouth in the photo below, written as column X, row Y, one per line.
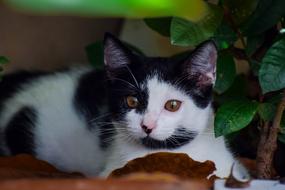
column 180, row 137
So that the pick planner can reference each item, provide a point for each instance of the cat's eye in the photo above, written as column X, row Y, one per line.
column 172, row 105
column 132, row 102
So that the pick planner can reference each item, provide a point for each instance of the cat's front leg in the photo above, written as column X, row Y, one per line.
column 108, row 169
column 114, row 162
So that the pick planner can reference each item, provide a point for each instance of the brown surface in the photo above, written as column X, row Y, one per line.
column 86, row 184
column 26, row 166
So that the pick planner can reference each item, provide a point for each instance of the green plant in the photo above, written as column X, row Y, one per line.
column 255, row 25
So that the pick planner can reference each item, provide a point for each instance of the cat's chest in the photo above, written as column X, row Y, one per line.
column 204, row 147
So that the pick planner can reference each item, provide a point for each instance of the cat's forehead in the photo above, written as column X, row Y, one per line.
column 160, row 91
column 157, row 86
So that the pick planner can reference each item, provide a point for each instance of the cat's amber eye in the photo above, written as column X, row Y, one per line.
column 132, row 102
column 172, row 105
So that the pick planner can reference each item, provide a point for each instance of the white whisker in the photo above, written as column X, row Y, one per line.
column 129, row 70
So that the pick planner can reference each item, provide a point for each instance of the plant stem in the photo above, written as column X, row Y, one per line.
column 268, row 143
column 238, row 53
column 233, row 25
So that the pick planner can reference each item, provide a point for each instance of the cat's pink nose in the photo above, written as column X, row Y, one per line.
column 146, row 129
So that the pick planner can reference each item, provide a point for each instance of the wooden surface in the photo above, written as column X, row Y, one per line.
column 94, row 184
column 24, row 172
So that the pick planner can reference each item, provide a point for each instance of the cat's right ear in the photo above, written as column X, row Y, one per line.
column 202, row 63
column 116, row 55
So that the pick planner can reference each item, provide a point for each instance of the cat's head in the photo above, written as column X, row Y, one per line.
column 160, row 102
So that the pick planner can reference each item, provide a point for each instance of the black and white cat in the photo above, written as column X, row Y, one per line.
column 95, row 121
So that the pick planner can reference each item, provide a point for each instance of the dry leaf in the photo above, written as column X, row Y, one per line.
column 178, row 164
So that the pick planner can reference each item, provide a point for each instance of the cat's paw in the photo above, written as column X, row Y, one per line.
column 104, row 174
column 236, row 169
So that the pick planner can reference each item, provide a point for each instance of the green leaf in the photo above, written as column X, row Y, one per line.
column 266, row 15
column 240, row 10
column 272, row 70
column 237, row 91
column 3, row 60
column 281, row 138
column 253, row 43
column 185, row 33
column 192, row 10
column 224, row 36
column 234, row 116
column 226, row 72
column 267, row 111
column 95, row 54
column 160, row 25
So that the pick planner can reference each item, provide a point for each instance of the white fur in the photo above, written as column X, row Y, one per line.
column 63, row 139
column 204, row 147
column 61, row 136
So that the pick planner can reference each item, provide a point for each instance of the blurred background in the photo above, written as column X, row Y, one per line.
column 42, row 42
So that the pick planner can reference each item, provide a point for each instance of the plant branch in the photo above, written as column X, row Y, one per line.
column 238, row 53
column 230, row 20
column 268, row 143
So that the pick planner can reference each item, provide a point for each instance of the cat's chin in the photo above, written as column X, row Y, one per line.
column 172, row 142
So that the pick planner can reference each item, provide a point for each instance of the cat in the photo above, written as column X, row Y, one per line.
column 94, row 121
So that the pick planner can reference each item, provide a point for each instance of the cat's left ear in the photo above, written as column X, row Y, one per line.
column 201, row 65
column 116, row 55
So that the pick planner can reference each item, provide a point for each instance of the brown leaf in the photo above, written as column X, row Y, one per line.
column 178, row 164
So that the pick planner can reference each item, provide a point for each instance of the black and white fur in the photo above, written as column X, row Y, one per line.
column 78, row 119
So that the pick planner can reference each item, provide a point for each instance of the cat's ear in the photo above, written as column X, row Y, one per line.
column 116, row 55
column 201, row 65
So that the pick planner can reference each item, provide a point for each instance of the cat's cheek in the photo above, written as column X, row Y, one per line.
column 166, row 125
column 134, row 120
column 194, row 117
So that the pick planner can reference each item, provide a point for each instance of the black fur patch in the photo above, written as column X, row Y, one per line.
column 90, row 96
column 11, row 83
column 19, row 131
column 180, row 137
